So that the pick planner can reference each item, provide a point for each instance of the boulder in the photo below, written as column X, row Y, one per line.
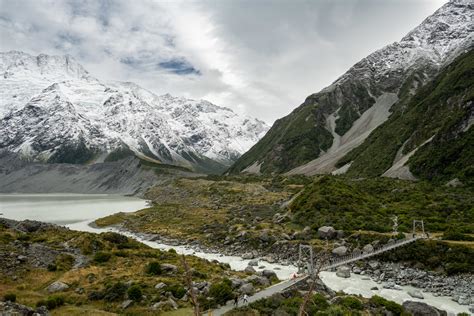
column 343, row 272
column 249, row 269
column 236, row 283
column 340, row 251
column 368, row 248
column 454, row 183
column 126, row 304
column 356, row 270
column 10, row 308
column 247, row 256
column 246, row 288
column 255, row 279
column 57, row 286
column 160, row 286
column 253, row 263
column 356, row 252
column 326, row 232
column 422, row 309
column 169, row 268
column 416, row 294
column 269, row 274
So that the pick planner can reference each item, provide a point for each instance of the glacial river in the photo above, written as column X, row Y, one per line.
column 77, row 211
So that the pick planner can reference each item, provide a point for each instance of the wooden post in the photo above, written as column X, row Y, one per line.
column 189, row 283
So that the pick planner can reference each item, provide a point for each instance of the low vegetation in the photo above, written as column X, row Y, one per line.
column 106, row 275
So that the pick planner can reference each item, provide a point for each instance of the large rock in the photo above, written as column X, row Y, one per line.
column 368, row 248
column 253, row 263
column 126, row 304
column 249, row 269
column 57, row 286
column 160, row 286
column 10, row 308
column 246, row 288
column 169, row 268
column 258, row 280
column 416, row 294
column 422, row 309
column 326, row 232
column 343, row 272
column 269, row 274
column 340, row 251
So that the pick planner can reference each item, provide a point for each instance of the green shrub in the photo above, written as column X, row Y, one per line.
column 114, row 238
column 334, row 310
column 51, row 302
column 456, row 235
column 319, row 301
column 222, row 291
column 64, row 262
column 393, row 307
column 10, row 297
column 101, row 257
column 115, row 292
column 52, row 267
column 177, row 290
column 352, row 303
column 135, row 293
column 153, row 268
column 172, row 250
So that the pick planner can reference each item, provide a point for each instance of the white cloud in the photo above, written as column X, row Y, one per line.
column 259, row 57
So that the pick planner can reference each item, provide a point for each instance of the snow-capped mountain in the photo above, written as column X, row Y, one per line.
column 52, row 109
column 331, row 125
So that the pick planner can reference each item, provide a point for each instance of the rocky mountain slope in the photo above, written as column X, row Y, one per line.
column 324, row 134
column 53, row 110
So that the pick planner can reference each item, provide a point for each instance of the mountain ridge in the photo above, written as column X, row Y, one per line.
column 338, row 119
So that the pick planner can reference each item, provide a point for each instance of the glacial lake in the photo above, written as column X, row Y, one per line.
column 66, row 209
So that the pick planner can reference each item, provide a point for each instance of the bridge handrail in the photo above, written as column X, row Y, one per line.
column 353, row 257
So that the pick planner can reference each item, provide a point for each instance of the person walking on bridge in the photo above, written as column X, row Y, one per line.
column 236, row 300
column 246, row 298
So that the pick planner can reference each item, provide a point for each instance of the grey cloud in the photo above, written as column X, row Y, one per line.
column 259, row 57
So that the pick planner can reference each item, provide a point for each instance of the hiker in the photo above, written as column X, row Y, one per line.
column 246, row 298
column 236, row 301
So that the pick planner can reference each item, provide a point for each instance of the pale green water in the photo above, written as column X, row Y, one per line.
column 65, row 208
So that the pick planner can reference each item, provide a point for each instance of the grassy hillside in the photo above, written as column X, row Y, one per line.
column 441, row 109
column 369, row 205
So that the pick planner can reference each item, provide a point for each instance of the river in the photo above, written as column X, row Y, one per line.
column 77, row 211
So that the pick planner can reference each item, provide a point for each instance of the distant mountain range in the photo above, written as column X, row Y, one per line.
column 52, row 110
column 405, row 111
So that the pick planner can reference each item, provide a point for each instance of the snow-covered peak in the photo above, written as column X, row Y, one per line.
column 44, row 97
column 19, row 64
column 435, row 42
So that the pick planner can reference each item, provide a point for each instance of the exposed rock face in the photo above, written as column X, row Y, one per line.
column 127, row 176
column 422, row 309
column 9, row 308
column 321, row 132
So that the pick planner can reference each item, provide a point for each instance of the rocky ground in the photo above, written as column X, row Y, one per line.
column 74, row 272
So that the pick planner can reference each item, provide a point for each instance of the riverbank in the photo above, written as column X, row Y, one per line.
column 387, row 280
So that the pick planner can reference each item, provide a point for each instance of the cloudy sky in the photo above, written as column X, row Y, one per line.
column 259, row 57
